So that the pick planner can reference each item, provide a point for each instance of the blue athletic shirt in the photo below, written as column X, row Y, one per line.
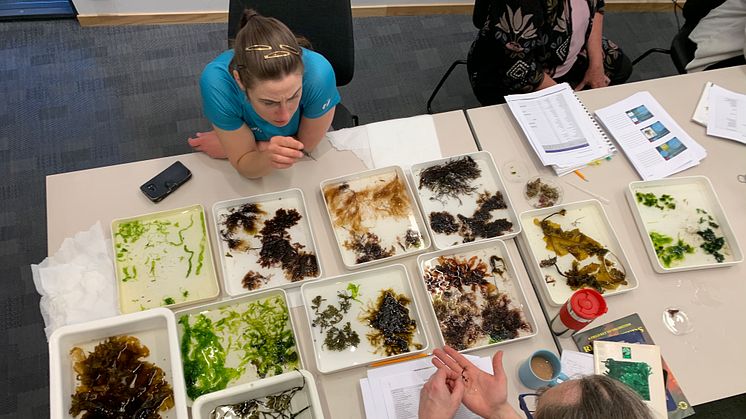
column 227, row 107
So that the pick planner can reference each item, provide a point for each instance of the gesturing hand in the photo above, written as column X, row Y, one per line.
column 284, row 151
column 484, row 394
column 440, row 396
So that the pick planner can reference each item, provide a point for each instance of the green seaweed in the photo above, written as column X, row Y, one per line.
column 669, row 254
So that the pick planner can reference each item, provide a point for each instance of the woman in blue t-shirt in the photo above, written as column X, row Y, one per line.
column 267, row 99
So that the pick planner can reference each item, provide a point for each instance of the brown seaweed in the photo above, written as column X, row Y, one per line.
column 451, row 179
column 277, row 249
column 500, row 321
column 242, row 219
column 443, row 222
column 480, row 224
column 457, row 272
column 254, row 280
column 394, row 330
column 368, row 247
column 114, row 381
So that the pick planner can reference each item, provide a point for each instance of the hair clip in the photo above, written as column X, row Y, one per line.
column 289, row 49
column 258, row 47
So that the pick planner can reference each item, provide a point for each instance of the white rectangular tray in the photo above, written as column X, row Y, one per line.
column 236, row 263
column 591, row 219
column 489, row 181
column 504, row 278
column 228, row 338
column 371, row 283
column 156, row 329
column 163, row 259
column 390, row 230
column 308, row 396
column 690, row 193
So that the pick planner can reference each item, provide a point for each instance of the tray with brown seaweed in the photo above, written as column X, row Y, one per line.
column 574, row 246
column 475, row 296
column 374, row 216
column 464, row 199
column 265, row 241
column 127, row 364
column 363, row 317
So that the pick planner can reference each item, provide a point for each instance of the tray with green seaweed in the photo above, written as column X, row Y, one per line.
column 265, row 241
column 363, row 317
column 464, row 199
column 163, row 259
column 574, row 246
column 682, row 224
column 475, row 296
column 237, row 341
column 374, row 216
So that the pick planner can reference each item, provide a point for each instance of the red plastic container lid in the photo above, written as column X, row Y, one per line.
column 588, row 303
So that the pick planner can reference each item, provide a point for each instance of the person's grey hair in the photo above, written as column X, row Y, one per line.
column 599, row 397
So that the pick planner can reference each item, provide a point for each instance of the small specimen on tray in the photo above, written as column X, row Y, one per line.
column 600, row 275
column 451, row 179
column 273, row 406
column 411, row 239
column 666, row 252
column 327, row 320
column 469, row 307
column 244, row 218
column 115, row 381
column 546, row 194
column 393, row 327
column 254, row 280
column 258, row 332
column 664, row 202
column 712, row 244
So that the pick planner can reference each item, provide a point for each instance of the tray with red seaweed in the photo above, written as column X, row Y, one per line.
column 265, row 242
column 475, row 296
column 374, row 216
column 464, row 199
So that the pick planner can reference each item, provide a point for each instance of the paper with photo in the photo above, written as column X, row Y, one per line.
column 652, row 140
column 727, row 114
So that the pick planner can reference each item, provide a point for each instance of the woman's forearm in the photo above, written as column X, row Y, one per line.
column 253, row 164
column 595, row 51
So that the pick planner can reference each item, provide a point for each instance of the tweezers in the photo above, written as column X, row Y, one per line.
column 307, row 154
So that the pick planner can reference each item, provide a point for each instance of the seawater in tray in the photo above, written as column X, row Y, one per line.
column 374, row 216
column 475, row 296
column 590, row 219
column 237, row 341
column 155, row 329
column 486, row 184
column 163, row 259
column 239, row 225
column 693, row 206
column 363, row 291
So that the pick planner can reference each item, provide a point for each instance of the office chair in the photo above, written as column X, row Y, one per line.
column 326, row 23
column 478, row 18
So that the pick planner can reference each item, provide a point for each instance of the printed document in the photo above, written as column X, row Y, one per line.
column 727, row 114
column 655, row 144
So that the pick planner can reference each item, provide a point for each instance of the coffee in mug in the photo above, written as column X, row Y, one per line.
column 542, row 367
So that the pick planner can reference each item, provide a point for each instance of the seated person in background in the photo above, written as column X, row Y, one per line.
column 459, row 381
column 527, row 45
column 719, row 34
column 267, row 99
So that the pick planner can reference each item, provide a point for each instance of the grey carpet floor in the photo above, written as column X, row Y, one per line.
column 73, row 98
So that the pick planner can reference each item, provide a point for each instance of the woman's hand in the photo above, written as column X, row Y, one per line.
column 283, row 151
column 441, row 395
column 594, row 78
column 484, row 394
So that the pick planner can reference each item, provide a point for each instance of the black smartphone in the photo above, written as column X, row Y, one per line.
column 166, row 182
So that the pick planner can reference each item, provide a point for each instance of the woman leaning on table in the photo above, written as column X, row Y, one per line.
column 459, row 381
column 528, row 45
column 267, row 99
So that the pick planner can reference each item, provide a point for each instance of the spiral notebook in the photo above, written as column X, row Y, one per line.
column 559, row 128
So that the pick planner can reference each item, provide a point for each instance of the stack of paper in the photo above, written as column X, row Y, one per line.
column 725, row 111
column 655, row 144
column 393, row 392
column 559, row 128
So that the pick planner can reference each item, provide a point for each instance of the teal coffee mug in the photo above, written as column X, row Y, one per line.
column 541, row 369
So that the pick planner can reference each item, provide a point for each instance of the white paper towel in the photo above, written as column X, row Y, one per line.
column 77, row 284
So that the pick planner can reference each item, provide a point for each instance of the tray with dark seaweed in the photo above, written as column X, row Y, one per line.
column 682, row 224
column 163, row 259
column 374, row 216
column 363, row 317
column 289, row 395
column 123, row 366
column 237, row 341
column 464, row 200
column 573, row 246
column 475, row 296
column 265, row 241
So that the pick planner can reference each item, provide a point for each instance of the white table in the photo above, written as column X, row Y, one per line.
column 76, row 200
column 708, row 363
